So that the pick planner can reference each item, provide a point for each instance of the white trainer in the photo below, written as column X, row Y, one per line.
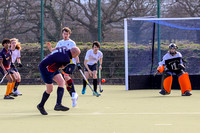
column 74, row 99
column 17, row 92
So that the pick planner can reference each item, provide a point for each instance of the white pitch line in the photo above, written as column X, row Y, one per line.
column 99, row 113
column 162, row 124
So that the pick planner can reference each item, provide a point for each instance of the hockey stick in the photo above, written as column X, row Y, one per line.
column 3, row 78
column 101, row 90
column 155, row 73
column 88, row 83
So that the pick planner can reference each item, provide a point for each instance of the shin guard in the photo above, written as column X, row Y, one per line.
column 184, row 82
column 167, row 82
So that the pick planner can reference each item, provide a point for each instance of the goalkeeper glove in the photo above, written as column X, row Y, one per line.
column 79, row 66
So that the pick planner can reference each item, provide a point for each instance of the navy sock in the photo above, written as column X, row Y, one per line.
column 70, row 86
column 95, row 84
column 60, row 92
column 84, row 83
column 16, row 85
column 44, row 99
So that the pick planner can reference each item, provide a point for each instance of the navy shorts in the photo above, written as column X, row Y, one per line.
column 15, row 69
column 47, row 76
column 10, row 71
column 69, row 69
column 91, row 67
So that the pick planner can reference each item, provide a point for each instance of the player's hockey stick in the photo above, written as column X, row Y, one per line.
column 3, row 78
column 101, row 90
column 88, row 83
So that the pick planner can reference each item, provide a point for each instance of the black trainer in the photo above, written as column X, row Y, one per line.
column 187, row 93
column 60, row 108
column 8, row 97
column 13, row 94
column 42, row 110
column 164, row 92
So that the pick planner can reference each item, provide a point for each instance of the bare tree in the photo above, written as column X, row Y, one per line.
column 20, row 17
column 113, row 12
column 183, row 8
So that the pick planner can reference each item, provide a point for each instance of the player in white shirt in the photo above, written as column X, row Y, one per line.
column 173, row 63
column 92, row 57
column 67, row 42
column 16, row 56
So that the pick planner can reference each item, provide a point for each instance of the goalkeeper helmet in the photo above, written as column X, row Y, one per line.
column 172, row 48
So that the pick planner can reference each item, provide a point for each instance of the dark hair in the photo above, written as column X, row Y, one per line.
column 5, row 40
column 66, row 29
column 96, row 43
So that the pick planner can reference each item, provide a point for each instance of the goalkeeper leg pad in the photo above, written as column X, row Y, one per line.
column 167, row 82
column 184, row 82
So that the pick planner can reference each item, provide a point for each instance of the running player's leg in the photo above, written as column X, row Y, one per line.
column 60, row 91
column 45, row 96
column 86, row 73
column 95, row 80
column 93, row 68
column 71, row 90
column 9, row 83
column 69, row 82
column 9, row 87
column 18, row 80
column 14, row 77
column 48, row 79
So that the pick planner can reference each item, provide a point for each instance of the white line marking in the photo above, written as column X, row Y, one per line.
column 162, row 124
column 99, row 113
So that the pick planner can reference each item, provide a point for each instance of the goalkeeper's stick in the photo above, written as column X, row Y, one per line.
column 88, row 83
column 101, row 90
column 155, row 73
column 3, row 78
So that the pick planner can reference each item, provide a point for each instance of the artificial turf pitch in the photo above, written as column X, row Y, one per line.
column 116, row 111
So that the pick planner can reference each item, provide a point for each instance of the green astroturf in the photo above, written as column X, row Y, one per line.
column 116, row 111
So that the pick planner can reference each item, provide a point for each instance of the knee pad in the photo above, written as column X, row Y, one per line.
column 167, row 82
column 184, row 82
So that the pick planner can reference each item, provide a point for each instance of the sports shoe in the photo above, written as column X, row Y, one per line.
column 74, row 99
column 13, row 94
column 60, row 108
column 164, row 92
column 42, row 110
column 96, row 93
column 18, row 92
column 8, row 97
column 187, row 93
column 83, row 90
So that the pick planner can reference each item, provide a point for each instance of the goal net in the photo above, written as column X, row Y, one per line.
column 147, row 40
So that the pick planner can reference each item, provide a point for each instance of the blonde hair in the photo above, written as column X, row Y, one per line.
column 18, row 47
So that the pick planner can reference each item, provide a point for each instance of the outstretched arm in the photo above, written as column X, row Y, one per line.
column 49, row 47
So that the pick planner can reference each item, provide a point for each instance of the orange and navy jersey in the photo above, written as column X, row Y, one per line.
column 5, row 55
column 58, row 58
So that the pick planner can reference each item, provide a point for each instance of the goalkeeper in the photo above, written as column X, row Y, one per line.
column 173, row 63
